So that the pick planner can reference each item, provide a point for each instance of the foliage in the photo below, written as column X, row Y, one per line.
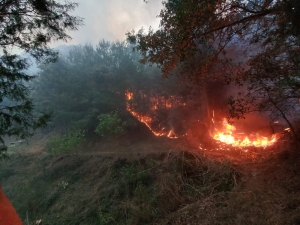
column 105, row 219
column 77, row 95
column 110, row 124
column 3, row 149
column 250, row 43
column 153, row 188
column 175, row 188
column 63, row 185
column 27, row 26
column 97, row 189
column 67, row 142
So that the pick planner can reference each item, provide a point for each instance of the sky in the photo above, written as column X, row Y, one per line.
column 111, row 19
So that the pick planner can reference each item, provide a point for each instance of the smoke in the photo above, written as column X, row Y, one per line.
column 111, row 19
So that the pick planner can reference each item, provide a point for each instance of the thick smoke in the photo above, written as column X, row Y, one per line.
column 111, row 19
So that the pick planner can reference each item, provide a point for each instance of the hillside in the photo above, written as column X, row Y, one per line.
column 152, row 180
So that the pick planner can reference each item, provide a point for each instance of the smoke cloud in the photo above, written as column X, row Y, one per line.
column 111, row 19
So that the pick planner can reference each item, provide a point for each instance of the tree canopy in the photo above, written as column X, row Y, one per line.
column 102, row 81
column 87, row 82
column 255, row 44
column 28, row 26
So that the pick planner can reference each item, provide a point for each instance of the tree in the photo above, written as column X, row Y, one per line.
column 252, row 43
column 92, row 81
column 27, row 25
column 88, row 82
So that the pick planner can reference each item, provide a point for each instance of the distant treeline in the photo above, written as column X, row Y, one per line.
column 92, row 80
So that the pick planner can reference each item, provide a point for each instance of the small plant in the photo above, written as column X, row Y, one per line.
column 63, row 185
column 110, row 124
column 105, row 218
column 3, row 151
column 67, row 142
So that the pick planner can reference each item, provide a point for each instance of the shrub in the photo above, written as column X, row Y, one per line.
column 3, row 151
column 67, row 142
column 110, row 124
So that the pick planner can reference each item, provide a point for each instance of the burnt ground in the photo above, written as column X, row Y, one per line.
column 151, row 180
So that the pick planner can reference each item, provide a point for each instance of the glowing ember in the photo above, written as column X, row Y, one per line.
column 228, row 136
column 128, row 95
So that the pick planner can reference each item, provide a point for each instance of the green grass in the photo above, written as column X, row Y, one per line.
column 67, row 142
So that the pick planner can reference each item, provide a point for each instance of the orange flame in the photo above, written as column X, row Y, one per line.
column 128, row 95
column 228, row 136
column 147, row 120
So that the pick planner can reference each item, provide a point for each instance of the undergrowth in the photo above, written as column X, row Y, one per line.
column 67, row 142
column 101, row 190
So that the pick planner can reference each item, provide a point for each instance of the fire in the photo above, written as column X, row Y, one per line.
column 228, row 136
column 128, row 95
column 147, row 120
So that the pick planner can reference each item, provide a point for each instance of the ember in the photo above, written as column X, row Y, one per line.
column 129, row 95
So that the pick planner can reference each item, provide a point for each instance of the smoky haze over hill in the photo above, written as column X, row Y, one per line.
column 88, row 81
column 111, row 19
column 92, row 80
column 107, row 20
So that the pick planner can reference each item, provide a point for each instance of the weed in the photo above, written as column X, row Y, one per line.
column 63, row 185
column 67, row 142
column 105, row 218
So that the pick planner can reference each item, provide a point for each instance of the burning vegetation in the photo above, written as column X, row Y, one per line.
column 228, row 134
column 220, row 131
column 152, row 118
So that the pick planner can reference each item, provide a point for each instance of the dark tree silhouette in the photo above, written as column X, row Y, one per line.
column 27, row 25
column 251, row 43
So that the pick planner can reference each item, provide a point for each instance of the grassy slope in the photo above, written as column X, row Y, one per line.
column 171, row 185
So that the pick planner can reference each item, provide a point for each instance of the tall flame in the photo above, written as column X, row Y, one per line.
column 227, row 135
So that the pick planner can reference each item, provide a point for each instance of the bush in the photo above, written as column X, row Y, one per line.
column 110, row 124
column 67, row 142
column 3, row 151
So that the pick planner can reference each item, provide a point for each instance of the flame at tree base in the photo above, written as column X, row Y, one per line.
column 151, row 121
column 147, row 120
column 228, row 136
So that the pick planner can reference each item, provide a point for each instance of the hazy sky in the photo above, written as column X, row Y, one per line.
column 111, row 19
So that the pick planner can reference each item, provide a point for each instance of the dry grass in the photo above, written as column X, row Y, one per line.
column 158, row 183
column 95, row 189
